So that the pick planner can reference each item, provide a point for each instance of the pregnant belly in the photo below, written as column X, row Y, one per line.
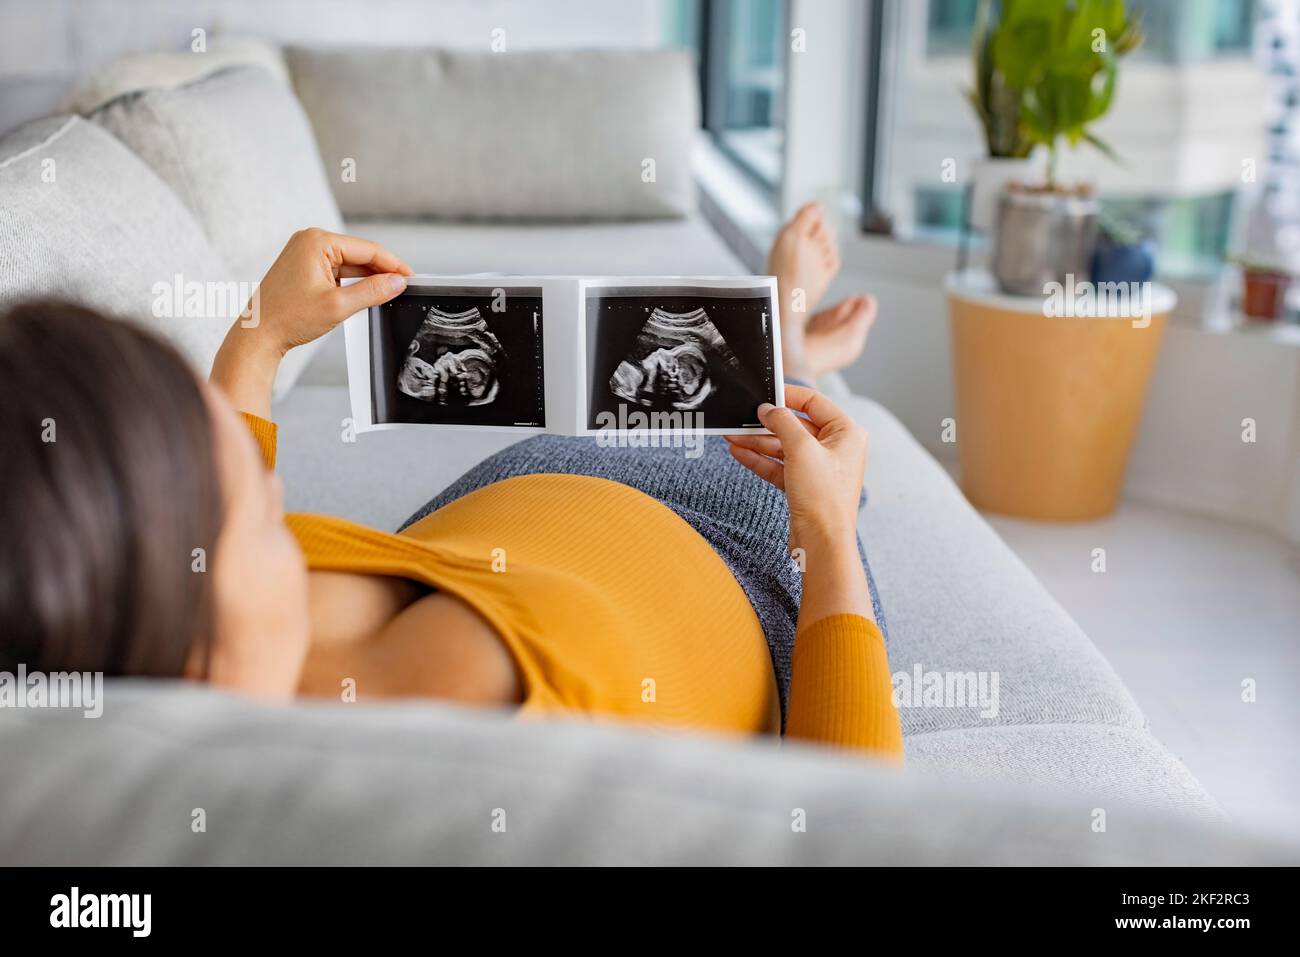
column 608, row 602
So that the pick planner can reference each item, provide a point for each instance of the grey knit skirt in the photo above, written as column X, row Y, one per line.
column 744, row 518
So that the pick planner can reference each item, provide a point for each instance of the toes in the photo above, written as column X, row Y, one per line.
column 822, row 235
column 833, row 316
column 851, row 310
column 829, row 350
column 809, row 218
column 869, row 309
column 837, row 335
column 861, row 312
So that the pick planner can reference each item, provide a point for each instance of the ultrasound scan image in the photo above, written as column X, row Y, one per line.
column 452, row 360
column 680, row 350
column 458, row 355
column 670, row 361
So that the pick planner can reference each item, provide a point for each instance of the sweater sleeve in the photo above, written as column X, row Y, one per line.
column 841, row 693
column 264, row 432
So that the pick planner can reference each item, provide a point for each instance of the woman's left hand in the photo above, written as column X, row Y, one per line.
column 300, row 299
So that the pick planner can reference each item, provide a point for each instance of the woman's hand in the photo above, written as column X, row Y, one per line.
column 300, row 300
column 818, row 462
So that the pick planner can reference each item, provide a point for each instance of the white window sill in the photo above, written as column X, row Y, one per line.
column 741, row 213
column 747, row 219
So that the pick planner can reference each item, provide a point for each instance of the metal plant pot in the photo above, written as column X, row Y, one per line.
column 1042, row 238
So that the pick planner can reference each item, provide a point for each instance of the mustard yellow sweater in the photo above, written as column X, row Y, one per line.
column 661, row 633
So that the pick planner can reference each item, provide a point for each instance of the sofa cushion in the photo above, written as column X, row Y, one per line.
column 957, row 600
column 82, row 217
column 552, row 135
column 1109, row 761
column 238, row 151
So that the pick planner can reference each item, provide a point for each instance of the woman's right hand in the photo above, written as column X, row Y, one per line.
column 300, row 300
column 817, row 461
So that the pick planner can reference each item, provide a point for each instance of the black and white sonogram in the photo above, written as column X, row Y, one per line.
column 452, row 360
column 459, row 355
column 670, row 361
column 706, row 352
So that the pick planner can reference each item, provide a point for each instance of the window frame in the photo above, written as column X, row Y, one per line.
column 869, row 175
column 879, row 21
column 714, row 35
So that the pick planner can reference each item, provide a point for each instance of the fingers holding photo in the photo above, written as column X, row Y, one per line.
column 821, row 411
column 300, row 298
column 817, row 461
column 765, row 467
column 351, row 255
column 769, row 445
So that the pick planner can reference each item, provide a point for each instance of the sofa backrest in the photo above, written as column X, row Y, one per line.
column 179, row 774
column 47, row 47
column 583, row 135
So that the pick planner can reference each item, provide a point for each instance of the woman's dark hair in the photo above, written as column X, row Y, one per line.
column 108, row 483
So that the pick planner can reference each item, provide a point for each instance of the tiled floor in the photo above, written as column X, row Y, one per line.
column 1188, row 609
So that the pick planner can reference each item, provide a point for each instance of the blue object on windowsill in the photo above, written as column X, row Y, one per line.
column 1131, row 263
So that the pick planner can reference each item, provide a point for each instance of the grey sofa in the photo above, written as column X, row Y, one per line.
column 1063, row 770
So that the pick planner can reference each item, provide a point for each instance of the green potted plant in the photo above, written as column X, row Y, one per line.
column 1049, row 402
column 1009, row 153
column 1063, row 58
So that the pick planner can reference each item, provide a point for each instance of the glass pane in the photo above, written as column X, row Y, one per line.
column 950, row 25
column 750, row 38
column 1180, row 136
column 681, row 23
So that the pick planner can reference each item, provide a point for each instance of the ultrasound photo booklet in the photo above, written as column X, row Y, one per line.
column 571, row 355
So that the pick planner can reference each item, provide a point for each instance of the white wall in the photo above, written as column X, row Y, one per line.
column 46, row 44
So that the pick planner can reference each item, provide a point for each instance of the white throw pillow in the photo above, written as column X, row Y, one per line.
column 239, row 152
column 169, row 69
column 83, row 218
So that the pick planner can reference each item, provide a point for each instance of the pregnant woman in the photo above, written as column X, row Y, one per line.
column 144, row 535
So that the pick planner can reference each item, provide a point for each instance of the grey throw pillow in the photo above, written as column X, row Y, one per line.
column 588, row 135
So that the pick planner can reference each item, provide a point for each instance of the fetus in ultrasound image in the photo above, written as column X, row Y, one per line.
column 452, row 360
column 451, row 354
column 704, row 352
column 669, row 362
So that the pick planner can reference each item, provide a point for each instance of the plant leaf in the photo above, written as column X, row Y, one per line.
column 1105, row 148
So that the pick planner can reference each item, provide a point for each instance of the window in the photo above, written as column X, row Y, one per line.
column 1180, row 176
column 949, row 26
column 742, row 46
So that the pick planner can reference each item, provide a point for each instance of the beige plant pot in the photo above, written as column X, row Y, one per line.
column 1047, row 406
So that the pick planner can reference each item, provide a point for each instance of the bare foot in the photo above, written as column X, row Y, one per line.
column 836, row 336
column 804, row 260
